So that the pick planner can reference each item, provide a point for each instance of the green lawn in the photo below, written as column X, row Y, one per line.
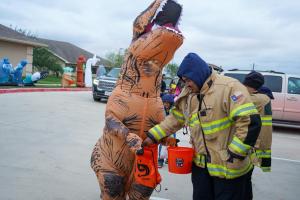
column 50, row 82
column 51, row 79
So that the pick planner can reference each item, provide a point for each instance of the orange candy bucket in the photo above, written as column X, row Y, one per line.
column 146, row 171
column 180, row 160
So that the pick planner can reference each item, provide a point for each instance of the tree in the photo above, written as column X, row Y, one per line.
column 44, row 60
column 172, row 68
column 24, row 32
column 115, row 59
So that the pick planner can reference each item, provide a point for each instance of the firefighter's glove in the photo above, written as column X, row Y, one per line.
column 134, row 142
column 170, row 141
column 140, row 151
column 149, row 140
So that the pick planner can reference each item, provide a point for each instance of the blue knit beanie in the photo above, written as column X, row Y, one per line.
column 195, row 69
column 168, row 98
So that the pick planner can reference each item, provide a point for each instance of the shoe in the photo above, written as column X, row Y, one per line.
column 160, row 165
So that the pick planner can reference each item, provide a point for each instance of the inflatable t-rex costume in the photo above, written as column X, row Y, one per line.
column 135, row 105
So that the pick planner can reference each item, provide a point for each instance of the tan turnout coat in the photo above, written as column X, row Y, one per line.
column 228, row 121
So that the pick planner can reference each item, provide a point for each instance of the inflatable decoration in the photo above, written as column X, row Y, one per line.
column 13, row 76
column 67, row 80
column 5, row 70
column 135, row 106
column 88, row 71
column 79, row 71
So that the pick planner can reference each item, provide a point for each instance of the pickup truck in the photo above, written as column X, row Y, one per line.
column 286, row 91
column 104, row 84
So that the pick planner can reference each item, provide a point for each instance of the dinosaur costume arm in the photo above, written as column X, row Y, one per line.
column 114, row 126
column 141, row 22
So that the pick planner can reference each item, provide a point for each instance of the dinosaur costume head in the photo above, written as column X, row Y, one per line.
column 156, row 37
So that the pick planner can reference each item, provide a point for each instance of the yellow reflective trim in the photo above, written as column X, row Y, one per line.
column 266, row 169
column 194, row 120
column 199, row 160
column 216, row 122
column 178, row 115
column 238, row 147
column 194, row 116
column 266, row 118
column 222, row 171
column 216, row 126
column 266, row 121
column 263, row 153
column 266, row 124
column 243, row 110
column 157, row 133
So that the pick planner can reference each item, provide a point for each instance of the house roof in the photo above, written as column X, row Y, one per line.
column 67, row 52
column 10, row 35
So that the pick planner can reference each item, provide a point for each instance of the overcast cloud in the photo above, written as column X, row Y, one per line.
column 231, row 33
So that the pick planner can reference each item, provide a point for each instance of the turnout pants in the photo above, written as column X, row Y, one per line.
column 213, row 188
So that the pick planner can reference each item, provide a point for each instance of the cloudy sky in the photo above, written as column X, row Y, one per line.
column 231, row 33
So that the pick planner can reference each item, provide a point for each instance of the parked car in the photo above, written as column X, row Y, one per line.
column 101, row 71
column 104, row 84
column 286, row 91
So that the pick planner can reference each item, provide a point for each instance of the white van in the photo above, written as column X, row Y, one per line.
column 286, row 91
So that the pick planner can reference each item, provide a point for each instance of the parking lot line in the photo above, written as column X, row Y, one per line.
column 158, row 198
column 284, row 159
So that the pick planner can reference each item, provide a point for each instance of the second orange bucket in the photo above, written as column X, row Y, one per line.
column 180, row 159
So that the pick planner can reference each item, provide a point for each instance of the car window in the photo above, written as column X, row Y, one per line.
column 239, row 77
column 114, row 73
column 294, row 85
column 272, row 82
column 101, row 71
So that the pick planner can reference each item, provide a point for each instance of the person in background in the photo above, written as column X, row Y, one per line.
column 261, row 97
column 168, row 101
column 163, row 86
column 224, row 126
column 179, row 86
column 172, row 88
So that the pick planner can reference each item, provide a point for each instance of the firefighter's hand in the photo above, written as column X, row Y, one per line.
column 134, row 142
column 147, row 142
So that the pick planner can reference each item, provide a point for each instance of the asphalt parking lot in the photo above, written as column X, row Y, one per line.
column 46, row 140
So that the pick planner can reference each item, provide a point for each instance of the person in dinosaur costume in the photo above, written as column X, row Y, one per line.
column 135, row 104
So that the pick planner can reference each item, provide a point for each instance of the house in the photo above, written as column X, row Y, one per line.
column 68, row 53
column 15, row 46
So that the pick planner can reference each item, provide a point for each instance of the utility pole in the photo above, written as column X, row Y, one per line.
column 253, row 66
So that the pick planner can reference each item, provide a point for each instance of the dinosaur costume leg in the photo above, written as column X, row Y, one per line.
column 135, row 105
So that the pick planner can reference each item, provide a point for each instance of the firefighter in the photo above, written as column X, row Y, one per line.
column 224, row 126
column 261, row 155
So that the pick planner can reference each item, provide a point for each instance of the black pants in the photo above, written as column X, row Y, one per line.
column 206, row 187
column 248, row 186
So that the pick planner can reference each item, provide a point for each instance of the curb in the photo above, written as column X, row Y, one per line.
column 23, row 90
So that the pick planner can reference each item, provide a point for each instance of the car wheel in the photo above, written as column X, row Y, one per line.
column 96, row 98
